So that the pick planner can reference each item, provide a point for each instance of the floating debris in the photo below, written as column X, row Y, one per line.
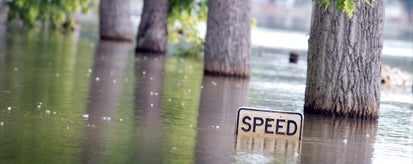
column 120, row 120
column 395, row 77
column 151, row 105
column 189, row 91
column 57, row 74
column 16, row 69
column 296, row 154
column 85, row 116
column 217, row 127
column 114, row 81
column 54, row 113
column 214, row 83
column 89, row 70
column 144, row 72
column 169, row 99
column 9, row 108
column 106, row 118
column 1, row 123
column 47, row 111
column 345, row 141
column 97, row 78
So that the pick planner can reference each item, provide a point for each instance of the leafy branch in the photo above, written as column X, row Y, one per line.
column 347, row 6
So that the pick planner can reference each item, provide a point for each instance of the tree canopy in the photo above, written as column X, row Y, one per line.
column 55, row 12
column 183, row 18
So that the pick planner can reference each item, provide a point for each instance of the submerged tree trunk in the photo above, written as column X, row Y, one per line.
column 227, row 46
column 344, row 61
column 114, row 20
column 152, row 32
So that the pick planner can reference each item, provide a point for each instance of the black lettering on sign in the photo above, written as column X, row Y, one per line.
column 244, row 120
column 278, row 126
column 256, row 119
column 289, row 123
column 268, row 125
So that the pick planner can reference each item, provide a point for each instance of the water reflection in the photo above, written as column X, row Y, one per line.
column 328, row 140
column 220, row 99
column 149, row 70
column 110, row 62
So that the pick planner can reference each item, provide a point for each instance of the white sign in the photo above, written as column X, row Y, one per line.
column 269, row 123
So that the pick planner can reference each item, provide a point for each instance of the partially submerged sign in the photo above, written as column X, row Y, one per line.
column 282, row 147
column 269, row 123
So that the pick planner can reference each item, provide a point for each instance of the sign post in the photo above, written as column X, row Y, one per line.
column 269, row 123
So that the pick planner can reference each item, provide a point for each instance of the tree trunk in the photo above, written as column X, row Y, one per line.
column 152, row 32
column 114, row 19
column 344, row 61
column 227, row 46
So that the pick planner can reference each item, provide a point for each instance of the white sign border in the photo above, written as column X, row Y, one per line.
column 272, row 111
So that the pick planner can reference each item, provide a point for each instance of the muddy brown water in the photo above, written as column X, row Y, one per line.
column 72, row 99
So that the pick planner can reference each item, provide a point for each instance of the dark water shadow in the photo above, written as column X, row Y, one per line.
column 328, row 140
column 110, row 62
column 3, row 32
column 149, row 71
column 220, row 99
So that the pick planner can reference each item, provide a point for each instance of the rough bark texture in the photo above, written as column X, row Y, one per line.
column 227, row 46
column 152, row 32
column 344, row 61
column 114, row 20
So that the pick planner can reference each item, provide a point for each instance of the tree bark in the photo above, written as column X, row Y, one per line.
column 114, row 20
column 152, row 32
column 228, row 37
column 344, row 61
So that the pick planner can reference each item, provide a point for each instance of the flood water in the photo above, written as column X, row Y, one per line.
column 68, row 98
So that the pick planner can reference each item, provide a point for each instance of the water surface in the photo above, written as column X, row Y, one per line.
column 70, row 98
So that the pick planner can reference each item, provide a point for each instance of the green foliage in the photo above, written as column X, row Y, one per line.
column 347, row 6
column 183, row 18
column 55, row 12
